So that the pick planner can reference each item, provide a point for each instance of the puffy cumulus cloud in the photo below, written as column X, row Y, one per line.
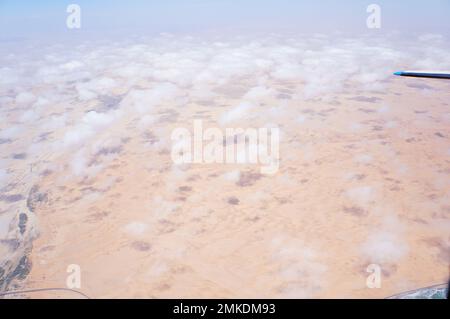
column 318, row 65
column 143, row 101
column 203, row 92
column 430, row 38
column 95, row 87
column 25, row 98
column 136, row 228
column 55, row 122
column 82, row 166
column 287, row 72
column 232, row 176
column 299, row 267
column 43, row 101
column 259, row 94
column 95, row 119
column 362, row 194
column 29, row 116
column 386, row 243
column 79, row 163
column 85, row 94
column 181, row 72
column 59, row 75
column 91, row 123
column 146, row 122
column 237, row 113
column 3, row 177
column 170, row 71
column 71, row 65
column 10, row 133
column 77, row 135
column 92, row 158
column 163, row 208
column 8, row 77
column 110, row 145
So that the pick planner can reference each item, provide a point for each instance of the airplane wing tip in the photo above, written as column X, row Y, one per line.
column 425, row 74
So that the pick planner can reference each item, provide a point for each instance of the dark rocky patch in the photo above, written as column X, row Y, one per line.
column 5, row 141
column 248, row 179
column 43, row 137
column 168, row 116
column 36, row 198
column 283, row 200
column 335, row 102
column 355, row 211
column 23, row 219
column 233, row 200
column 12, row 244
column 420, row 221
column 442, row 246
column 285, row 91
column 366, row 110
column 141, row 245
column 361, row 98
column 109, row 150
column 185, row 188
column 95, row 217
column 46, row 173
column 22, row 269
column 19, row 156
column 388, row 270
column 108, row 102
column 20, row 272
column 150, row 138
column 360, row 177
column 377, row 128
column 283, row 96
column 11, row 198
column 47, row 248
column 253, row 219
column 193, row 178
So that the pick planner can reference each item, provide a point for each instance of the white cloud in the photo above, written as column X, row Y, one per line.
column 25, row 98
column 362, row 194
column 239, row 112
column 136, row 228
column 232, row 176
column 11, row 132
column 79, row 164
column 386, row 243
column 91, row 123
column 29, row 116
column 258, row 94
column 299, row 268
column 144, row 101
column 71, row 65
column 3, row 177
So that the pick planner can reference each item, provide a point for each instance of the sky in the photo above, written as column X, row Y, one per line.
column 43, row 18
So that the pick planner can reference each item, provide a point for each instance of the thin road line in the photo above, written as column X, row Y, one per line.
column 43, row 289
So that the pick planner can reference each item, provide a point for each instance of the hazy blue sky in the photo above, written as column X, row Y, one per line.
column 25, row 17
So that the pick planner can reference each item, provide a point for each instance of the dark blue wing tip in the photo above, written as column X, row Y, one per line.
column 398, row 73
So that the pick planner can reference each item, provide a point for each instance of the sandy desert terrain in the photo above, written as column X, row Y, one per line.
column 363, row 177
